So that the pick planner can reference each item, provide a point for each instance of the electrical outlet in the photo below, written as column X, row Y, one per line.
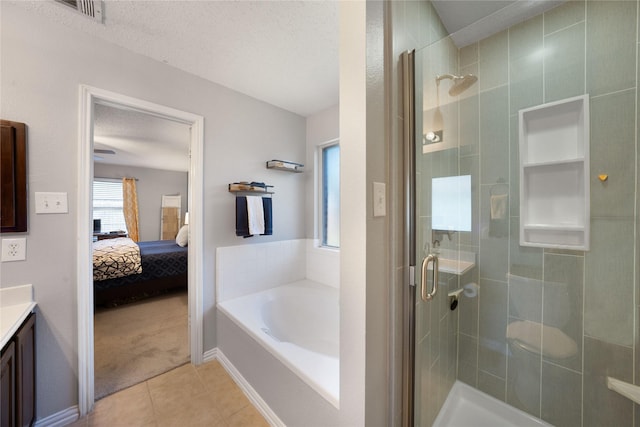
column 14, row 249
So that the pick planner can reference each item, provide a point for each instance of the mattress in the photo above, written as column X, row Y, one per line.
column 160, row 259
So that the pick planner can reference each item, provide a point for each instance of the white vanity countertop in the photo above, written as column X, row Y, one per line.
column 15, row 305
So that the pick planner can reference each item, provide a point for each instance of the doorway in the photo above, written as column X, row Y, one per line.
column 90, row 98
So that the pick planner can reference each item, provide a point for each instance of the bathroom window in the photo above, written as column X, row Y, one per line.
column 107, row 205
column 330, row 195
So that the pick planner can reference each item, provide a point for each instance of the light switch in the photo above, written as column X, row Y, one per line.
column 379, row 199
column 51, row 203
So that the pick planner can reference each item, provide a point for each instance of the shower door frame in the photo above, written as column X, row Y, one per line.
column 408, row 290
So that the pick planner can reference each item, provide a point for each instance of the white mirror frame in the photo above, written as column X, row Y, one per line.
column 89, row 96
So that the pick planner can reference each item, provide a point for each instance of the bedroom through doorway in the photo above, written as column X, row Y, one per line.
column 140, row 246
column 91, row 100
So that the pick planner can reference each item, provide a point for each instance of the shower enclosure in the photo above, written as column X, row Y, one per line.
column 542, row 326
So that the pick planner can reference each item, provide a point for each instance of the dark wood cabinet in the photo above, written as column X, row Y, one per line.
column 8, row 386
column 17, row 395
column 25, row 372
column 13, row 177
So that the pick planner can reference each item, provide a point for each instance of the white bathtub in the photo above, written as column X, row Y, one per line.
column 298, row 323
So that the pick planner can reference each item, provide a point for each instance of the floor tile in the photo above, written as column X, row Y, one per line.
column 192, row 396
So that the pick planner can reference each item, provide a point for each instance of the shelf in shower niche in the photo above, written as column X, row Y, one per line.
column 554, row 174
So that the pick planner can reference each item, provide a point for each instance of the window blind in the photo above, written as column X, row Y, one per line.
column 107, row 205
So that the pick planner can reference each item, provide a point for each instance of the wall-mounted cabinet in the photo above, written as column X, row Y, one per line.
column 554, row 174
column 13, row 177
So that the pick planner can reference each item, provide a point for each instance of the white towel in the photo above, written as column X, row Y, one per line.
column 255, row 215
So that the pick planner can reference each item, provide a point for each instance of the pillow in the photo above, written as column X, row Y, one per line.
column 182, row 239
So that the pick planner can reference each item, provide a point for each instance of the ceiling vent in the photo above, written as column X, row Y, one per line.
column 90, row 8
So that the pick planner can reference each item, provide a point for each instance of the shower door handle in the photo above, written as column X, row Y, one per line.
column 428, row 296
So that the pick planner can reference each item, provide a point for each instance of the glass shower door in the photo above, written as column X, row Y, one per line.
column 444, row 257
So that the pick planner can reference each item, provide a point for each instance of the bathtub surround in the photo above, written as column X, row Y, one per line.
column 279, row 327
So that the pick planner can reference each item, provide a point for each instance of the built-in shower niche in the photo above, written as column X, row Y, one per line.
column 554, row 174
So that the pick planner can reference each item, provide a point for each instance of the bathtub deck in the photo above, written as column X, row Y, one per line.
column 466, row 406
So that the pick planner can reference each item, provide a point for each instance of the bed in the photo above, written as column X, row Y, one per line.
column 126, row 270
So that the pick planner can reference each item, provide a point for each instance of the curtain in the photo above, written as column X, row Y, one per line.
column 130, row 207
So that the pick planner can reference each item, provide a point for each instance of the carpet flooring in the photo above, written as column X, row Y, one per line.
column 138, row 341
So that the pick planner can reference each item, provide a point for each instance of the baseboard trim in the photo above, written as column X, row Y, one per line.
column 210, row 355
column 248, row 390
column 60, row 419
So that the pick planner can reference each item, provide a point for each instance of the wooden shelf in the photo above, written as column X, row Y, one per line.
column 250, row 189
column 283, row 165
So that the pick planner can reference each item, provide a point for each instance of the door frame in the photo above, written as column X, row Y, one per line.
column 90, row 96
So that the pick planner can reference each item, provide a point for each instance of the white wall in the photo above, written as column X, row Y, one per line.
column 42, row 65
column 151, row 185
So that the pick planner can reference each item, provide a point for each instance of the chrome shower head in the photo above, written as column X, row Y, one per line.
column 460, row 83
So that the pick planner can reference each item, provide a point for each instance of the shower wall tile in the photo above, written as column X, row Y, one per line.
column 609, row 282
column 468, row 360
column 444, row 345
column 524, row 261
column 492, row 328
column 473, row 90
column 468, row 306
column 437, row 29
column 468, row 55
column 469, row 126
column 523, row 381
column 494, row 135
column 525, row 64
column 416, row 13
column 514, row 172
column 494, row 258
column 611, row 37
column 492, row 60
column 603, row 406
column 423, row 317
column 494, row 241
column 561, row 396
column 525, row 298
column 569, row 13
column 423, row 386
column 564, row 63
column 562, row 306
column 612, row 139
column 491, row 385
column 470, row 165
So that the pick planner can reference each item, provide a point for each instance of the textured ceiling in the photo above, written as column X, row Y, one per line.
column 282, row 52
column 140, row 139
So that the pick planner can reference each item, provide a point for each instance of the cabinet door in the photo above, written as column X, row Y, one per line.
column 7, row 386
column 25, row 372
column 13, row 177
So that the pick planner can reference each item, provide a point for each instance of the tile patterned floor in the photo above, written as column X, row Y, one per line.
column 190, row 395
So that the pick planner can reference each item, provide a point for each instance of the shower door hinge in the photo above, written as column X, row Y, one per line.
column 412, row 275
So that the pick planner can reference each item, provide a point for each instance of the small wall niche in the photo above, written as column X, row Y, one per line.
column 554, row 174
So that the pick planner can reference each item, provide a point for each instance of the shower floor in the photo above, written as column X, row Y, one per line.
column 465, row 406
